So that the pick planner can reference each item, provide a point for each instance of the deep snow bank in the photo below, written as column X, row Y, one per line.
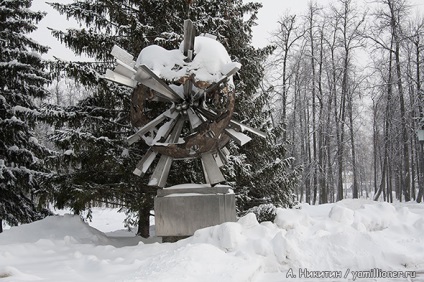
column 67, row 227
column 352, row 234
column 349, row 234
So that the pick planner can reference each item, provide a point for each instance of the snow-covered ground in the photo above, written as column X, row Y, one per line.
column 346, row 241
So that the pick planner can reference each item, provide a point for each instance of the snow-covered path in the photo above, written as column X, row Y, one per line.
column 330, row 240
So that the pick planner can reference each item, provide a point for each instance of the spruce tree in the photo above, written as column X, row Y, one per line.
column 94, row 138
column 22, row 79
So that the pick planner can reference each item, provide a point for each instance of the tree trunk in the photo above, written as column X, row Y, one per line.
column 406, row 166
column 303, row 137
column 144, row 222
column 329, row 166
column 313, row 79
column 413, row 168
column 341, row 125
column 386, row 132
column 395, row 29
column 144, row 215
column 1, row 225
column 420, row 196
column 340, row 139
column 333, row 96
column 308, row 156
column 375, row 146
column 354, row 169
column 420, row 147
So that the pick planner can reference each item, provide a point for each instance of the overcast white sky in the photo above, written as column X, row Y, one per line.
column 268, row 16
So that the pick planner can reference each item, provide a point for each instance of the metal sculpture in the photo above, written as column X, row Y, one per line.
column 198, row 123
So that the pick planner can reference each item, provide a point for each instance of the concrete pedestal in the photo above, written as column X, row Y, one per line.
column 181, row 210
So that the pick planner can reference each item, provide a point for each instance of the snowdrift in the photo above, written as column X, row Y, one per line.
column 67, row 228
column 352, row 235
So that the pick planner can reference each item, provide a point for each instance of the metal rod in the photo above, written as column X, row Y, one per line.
column 188, row 44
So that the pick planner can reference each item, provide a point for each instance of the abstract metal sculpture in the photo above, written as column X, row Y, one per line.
column 197, row 81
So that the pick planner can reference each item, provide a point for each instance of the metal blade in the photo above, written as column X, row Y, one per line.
column 137, row 136
column 218, row 160
column 238, row 137
column 205, row 172
column 199, row 94
column 160, row 175
column 144, row 164
column 215, row 85
column 124, row 69
column 164, row 130
column 176, row 131
column 119, row 78
column 225, row 151
column 209, row 114
column 222, row 156
column 193, row 118
column 187, row 88
column 146, row 77
column 233, row 123
column 213, row 173
column 122, row 55
column 241, row 127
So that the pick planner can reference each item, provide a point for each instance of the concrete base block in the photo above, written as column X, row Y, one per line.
column 183, row 209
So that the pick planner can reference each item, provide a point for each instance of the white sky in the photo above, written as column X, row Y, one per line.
column 267, row 19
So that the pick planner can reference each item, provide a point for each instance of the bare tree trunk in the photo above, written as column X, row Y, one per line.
column 352, row 142
column 313, row 79
column 395, row 10
column 420, row 196
column 303, row 151
column 329, row 167
column 406, row 167
column 321, row 138
column 411, row 140
column 1, row 225
column 297, row 126
column 330, row 171
column 333, row 97
column 340, row 134
column 419, row 147
column 287, row 26
column 386, row 131
column 375, row 146
column 308, row 156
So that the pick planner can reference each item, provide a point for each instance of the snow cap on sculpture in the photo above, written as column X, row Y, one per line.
column 210, row 61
